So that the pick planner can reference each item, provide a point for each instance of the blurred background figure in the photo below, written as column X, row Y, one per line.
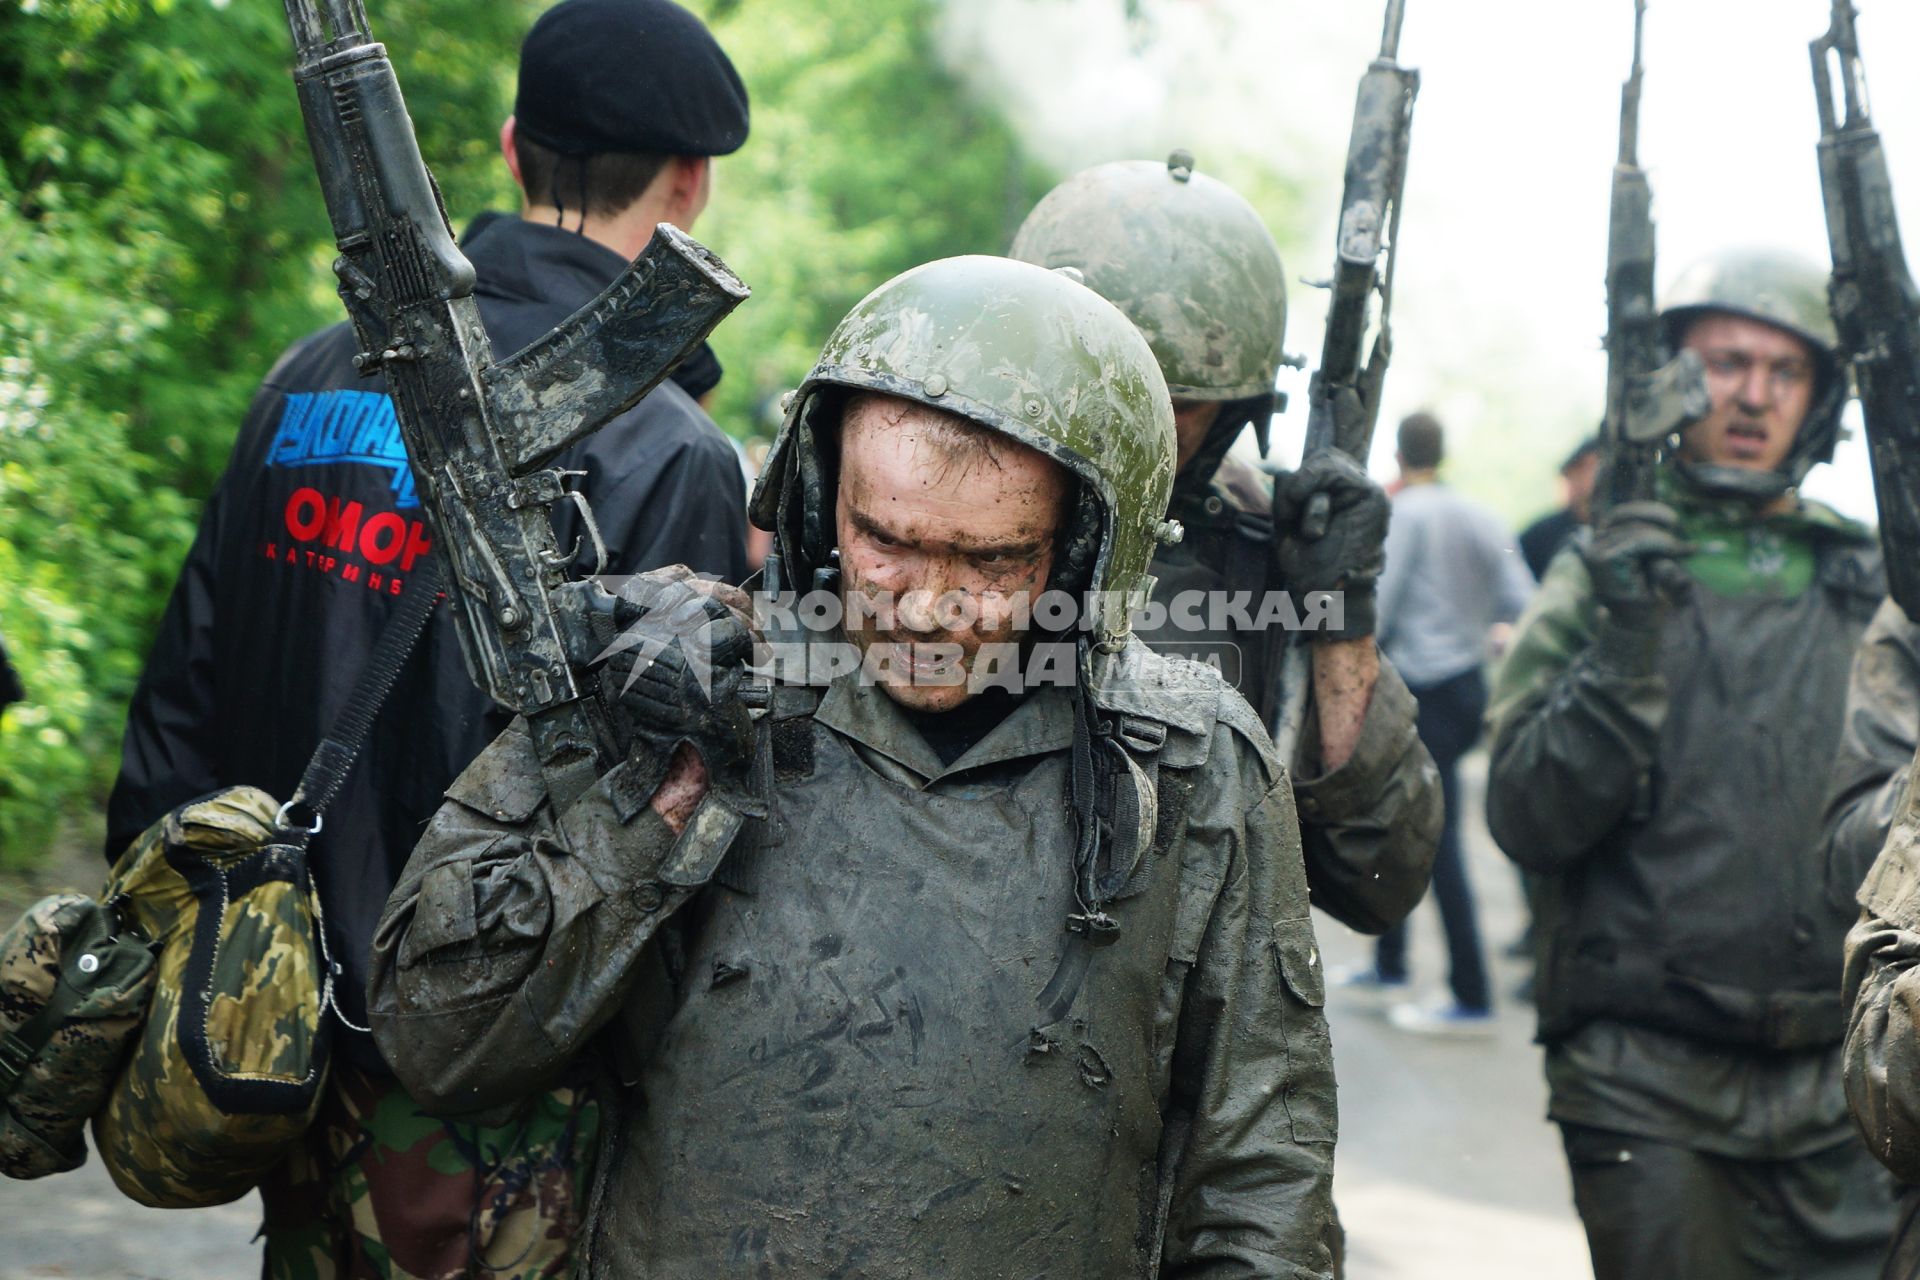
column 1541, row 540
column 1453, row 575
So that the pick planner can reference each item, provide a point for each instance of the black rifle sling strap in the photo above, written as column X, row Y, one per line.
column 333, row 758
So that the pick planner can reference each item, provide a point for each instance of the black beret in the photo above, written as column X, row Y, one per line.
column 628, row 75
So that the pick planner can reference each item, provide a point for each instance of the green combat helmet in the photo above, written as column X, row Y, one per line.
column 1189, row 262
column 1789, row 293
column 1047, row 362
column 1025, row 352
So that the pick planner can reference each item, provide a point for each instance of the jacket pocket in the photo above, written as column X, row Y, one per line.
column 1309, row 1094
column 1299, row 955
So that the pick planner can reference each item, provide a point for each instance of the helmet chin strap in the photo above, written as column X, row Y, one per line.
column 1235, row 416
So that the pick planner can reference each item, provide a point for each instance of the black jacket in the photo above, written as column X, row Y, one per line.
column 302, row 554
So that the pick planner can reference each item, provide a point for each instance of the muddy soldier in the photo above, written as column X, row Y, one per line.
column 1663, row 731
column 1192, row 265
column 1871, row 782
column 302, row 554
column 1009, row 980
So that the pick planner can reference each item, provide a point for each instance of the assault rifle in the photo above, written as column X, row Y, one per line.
column 1344, row 395
column 1872, row 296
column 1649, row 399
column 480, row 434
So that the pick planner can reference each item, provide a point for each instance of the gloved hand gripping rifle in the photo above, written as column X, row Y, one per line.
column 1344, row 395
column 480, row 434
column 1875, row 308
column 1649, row 398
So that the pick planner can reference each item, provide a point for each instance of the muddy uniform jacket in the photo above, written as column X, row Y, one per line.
column 1686, row 989
column 840, row 1057
column 1873, row 807
column 1877, row 742
column 1370, row 827
column 304, row 550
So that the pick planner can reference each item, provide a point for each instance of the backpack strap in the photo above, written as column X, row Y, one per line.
column 333, row 759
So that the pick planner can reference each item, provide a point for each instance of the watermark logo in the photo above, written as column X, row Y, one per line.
column 1012, row 642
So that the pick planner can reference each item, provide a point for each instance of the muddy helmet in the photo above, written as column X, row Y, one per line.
column 1191, row 263
column 1790, row 293
column 1025, row 352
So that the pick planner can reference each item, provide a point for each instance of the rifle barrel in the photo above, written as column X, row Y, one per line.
column 1630, row 95
column 1853, row 67
column 1390, row 37
column 347, row 15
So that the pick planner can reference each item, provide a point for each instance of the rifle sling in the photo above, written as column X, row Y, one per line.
column 333, row 759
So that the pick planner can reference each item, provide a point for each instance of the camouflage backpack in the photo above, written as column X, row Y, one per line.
column 226, row 1072
column 74, row 981
column 226, row 1075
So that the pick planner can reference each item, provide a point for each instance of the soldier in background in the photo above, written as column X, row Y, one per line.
column 302, row 554
column 1663, row 729
column 1541, row 541
column 1192, row 265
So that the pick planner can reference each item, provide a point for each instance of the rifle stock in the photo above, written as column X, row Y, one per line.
column 1872, row 295
column 479, row 433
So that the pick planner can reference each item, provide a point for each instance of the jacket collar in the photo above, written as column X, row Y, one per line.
column 1041, row 724
column 523, row 261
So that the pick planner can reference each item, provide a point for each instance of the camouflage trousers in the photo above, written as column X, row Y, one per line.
column 379, row 1190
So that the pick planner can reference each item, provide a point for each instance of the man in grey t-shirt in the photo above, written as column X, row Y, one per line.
column 1453, row 574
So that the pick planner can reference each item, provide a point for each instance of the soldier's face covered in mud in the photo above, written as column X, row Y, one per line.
column 947, row 530
column 1762, row 382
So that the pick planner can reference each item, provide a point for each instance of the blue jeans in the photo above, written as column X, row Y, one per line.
column 1449, row 725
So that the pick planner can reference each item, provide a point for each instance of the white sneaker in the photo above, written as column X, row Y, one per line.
column 1365, row 985
column 1449, row 1021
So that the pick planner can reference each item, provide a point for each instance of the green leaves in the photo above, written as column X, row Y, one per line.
column 162, row 239
column 866, row 158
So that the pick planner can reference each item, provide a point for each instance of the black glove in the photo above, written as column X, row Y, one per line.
column 676, row 665
column 1634, row 560
column 1330, row 533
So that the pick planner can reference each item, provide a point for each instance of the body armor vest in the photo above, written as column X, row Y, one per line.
column 1705, row 912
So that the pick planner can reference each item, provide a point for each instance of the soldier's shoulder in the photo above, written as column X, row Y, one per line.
column 504, row 781
column 1848, row 550
column 1197, row 710
column 321, row 360
column 666, row 422
column 1828, row 523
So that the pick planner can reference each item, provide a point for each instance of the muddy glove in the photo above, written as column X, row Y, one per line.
column 676, row 665
column 1634, row 559
column 1330, row 531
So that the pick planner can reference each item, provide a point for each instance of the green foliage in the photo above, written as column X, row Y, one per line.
column 866, row 158
column 161, row 239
